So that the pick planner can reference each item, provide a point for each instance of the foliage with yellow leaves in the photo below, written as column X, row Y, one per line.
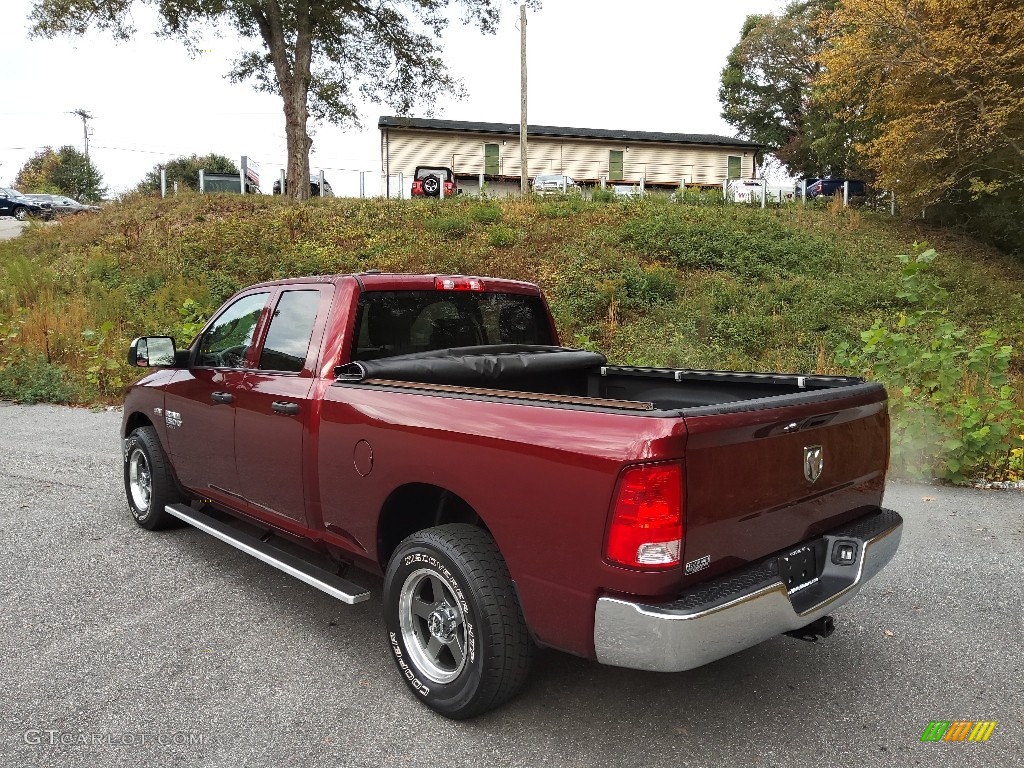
column 942, row 81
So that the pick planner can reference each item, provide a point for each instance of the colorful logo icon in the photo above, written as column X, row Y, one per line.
column 958, row 730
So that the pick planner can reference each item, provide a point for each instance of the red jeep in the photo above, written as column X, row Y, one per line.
column 431, row 181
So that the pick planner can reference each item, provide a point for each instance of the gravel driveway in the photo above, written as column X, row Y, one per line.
column 124, row 647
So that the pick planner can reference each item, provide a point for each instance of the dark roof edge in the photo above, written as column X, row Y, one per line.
column 466, row 126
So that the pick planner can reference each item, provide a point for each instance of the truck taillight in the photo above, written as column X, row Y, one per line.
column 458, row 284
column 646, row 529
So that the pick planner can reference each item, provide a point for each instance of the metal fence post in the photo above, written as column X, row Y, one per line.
column 764, row 193
column 362, row 184
column 603, row 181
column 481, row 183
column 725, row 190
column 401, row 185
column 643, row 184
column 202, row 181
column 281, row 188
column 175, row 188
column 846, row 193
column 163, row 182
column 892, row 204
column 803, row 192
column 321, row 183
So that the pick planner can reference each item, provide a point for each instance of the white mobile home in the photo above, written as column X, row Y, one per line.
column 589, row 155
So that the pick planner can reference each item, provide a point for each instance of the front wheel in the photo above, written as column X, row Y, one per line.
column 454, row 624
column 148, row 483
column 21, row 213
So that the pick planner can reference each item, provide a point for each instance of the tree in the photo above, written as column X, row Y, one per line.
column 942, row 81
column 185, row 171
column 767, row 93
column 319, row 56
column 65, row 171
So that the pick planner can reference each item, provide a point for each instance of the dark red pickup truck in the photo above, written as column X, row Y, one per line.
column 512, row 492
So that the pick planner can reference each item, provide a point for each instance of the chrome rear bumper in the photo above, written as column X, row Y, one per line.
column 740, row 609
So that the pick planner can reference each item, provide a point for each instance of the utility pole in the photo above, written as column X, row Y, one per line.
column 86, row 117
column 524, row 173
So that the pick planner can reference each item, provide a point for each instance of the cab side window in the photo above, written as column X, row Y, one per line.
column 226, row 343
column 290, row 330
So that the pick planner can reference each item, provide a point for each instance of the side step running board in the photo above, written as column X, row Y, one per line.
column 325, row 581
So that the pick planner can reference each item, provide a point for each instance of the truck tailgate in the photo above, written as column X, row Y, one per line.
column 760, row 481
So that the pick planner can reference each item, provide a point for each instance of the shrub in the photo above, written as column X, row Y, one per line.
column 951, row 403
column 602, row 196
column 501, row 237
column 485, row 213
column 562, row 207
column 451, row 227
column 30, row 378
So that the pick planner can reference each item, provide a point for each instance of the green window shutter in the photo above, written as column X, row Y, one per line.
column 491, row 165
column 735, row 167
column 615, row 165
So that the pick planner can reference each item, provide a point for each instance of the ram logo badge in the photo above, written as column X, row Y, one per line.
column 814, row 462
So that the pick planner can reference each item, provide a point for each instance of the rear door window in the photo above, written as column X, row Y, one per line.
column 291, row 327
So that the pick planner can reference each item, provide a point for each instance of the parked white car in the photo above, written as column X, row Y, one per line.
column 751, row 190
column 555, row 184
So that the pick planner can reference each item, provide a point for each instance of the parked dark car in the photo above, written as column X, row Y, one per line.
column 62, row 205
column 13, row 203
column 829, row 187
column 314, row 188
column 429, row 181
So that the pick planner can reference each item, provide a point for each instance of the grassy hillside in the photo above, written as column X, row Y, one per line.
column 648, row 282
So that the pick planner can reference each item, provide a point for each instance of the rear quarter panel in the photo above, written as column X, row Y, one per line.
column 541, row 478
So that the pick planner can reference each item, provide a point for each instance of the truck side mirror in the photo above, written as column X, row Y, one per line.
column 152, row 352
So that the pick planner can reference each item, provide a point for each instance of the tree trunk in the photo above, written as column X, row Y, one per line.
column 293, row 83
column 296, row 114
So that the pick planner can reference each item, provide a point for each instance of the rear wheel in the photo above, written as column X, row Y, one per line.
column 21, row 213
column 454, row 623
column 148, row 483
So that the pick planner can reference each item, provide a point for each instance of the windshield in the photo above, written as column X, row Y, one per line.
column 404, row 322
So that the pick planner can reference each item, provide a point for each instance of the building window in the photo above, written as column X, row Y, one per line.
column 492, row 166
column 735, row 167
column 615, row 165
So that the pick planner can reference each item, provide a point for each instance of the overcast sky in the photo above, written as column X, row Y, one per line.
column 650, row 65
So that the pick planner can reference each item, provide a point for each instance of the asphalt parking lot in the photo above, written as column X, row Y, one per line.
column 129, row 648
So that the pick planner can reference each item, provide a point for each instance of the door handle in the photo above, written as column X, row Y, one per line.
column 222, row 397
column 288, row 409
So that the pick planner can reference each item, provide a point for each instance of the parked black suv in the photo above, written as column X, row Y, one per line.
column 829, row 187
column 13, row 203
column 314, row 187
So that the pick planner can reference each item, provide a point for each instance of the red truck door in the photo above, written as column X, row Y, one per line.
column 273, row 407
column 199, row 408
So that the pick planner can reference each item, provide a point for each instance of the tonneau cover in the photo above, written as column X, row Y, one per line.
column 473, row 365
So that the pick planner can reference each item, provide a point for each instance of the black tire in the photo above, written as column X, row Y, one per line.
column 20, row 213
column 447, row 589
column 148, row 483
column 431, row 185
